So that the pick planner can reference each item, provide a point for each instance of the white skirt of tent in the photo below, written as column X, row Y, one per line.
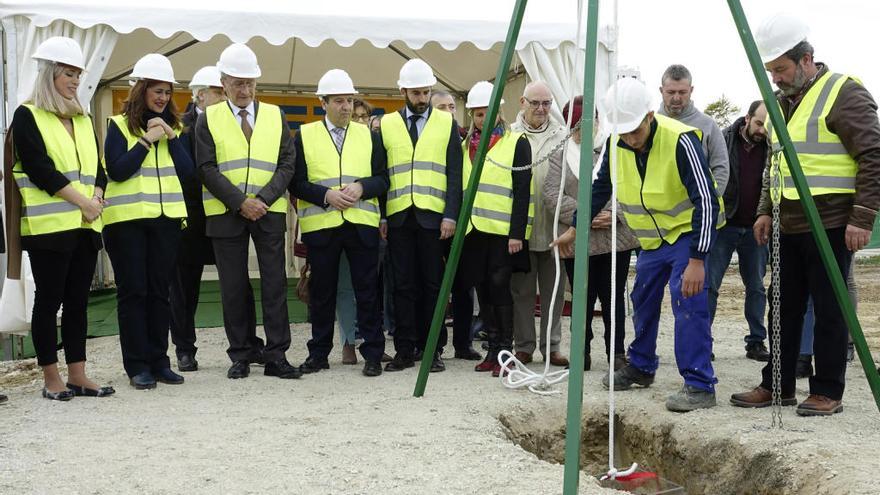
column 17, row 300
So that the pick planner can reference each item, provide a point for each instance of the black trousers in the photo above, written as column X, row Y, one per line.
column 184, row 292
column 417, row 270
column 363, row 261
column 62, row 278
column 462, row 319
column 239, row 312
column 143, row 255
column 802, row 275
column 599, row 287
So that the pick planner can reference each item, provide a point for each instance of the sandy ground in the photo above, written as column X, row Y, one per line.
column 338, row 432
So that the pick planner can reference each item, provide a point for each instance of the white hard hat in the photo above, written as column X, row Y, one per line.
column 778, row 34
column 61, row 50
column 153, row 66
column 479, row 95
column 206, row 77
column 415, row 73
column 238, row 60
column 335, row 82
column 631, row 99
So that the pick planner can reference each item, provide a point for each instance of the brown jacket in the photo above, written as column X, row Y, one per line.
column 853, row 117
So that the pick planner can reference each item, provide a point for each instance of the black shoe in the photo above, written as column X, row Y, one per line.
column 372, row 368
column 258, row 358
column 469, row 354
column 80, row 391
column 64, row 395
column 437, row 364
column 168, row 377
column 3, row 398
column 142, row 381
column 312, row 365
column 187, row 362
column 400, row 363
column 804, row 366
column 850, row 352
column 282, row 369
column 757, row 351
column 626, row 377
column 239, row 369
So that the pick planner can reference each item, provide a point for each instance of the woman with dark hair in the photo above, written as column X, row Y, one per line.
column 62, row 185
column 146, row 163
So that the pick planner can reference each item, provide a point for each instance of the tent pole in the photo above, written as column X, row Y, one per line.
column 800, row 182
column 468, row 199
column 571, row 477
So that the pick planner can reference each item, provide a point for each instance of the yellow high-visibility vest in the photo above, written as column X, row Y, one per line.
column 154, row 190
column 418, row 176
column 248, row 166
column 827, row 165
column 493, row 203
column 330, row 168
column 657, row 208
column 76, row 158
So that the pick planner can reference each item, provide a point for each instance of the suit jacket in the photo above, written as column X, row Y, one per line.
column 231, row 223
column 195, row 246
column 425, row 218
column 374, row 186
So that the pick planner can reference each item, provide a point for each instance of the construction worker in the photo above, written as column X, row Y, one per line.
column 668, row 198
column 61, row 183
column 195, row 247
column 832, row 121
column 146, row 163
column 500, row 222
column 245, row 159
column 340, row 173
column 423, row 156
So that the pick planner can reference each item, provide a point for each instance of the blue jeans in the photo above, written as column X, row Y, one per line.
column 693, row 335
column 752, row 267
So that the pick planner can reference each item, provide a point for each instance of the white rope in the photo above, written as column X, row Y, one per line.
column 515, row 374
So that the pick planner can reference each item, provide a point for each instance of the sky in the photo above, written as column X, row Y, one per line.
column 701, row 35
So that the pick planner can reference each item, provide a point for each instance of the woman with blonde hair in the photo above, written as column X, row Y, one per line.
column 146, row 164
column 62, row 184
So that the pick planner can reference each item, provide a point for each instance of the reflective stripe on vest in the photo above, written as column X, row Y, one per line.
column 329, row 168
column 248, row 166
column 418, row 176
column 74, row 157
column 827, row 166
column 152, row 191
column 493, row 203
column 657, row 209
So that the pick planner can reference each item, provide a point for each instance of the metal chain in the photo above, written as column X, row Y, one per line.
column 776, row 360
column 538, row 162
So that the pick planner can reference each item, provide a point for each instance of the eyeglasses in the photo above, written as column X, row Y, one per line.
column 535, row 103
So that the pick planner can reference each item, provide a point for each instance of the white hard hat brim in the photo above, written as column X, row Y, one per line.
column 628, row 126
column 404, row 85
column 61, row 62
column 475, row 106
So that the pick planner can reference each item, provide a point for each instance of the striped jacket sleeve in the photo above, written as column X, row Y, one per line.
column 693, row 167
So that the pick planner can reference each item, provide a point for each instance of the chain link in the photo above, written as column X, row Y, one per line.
column 539, row 161
column 776, row 364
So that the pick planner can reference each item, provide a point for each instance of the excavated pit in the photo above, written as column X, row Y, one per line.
column 697, row 465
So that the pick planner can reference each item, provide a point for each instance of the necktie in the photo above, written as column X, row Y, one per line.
column 413, row 130
column 337, row 138
column 245, row 125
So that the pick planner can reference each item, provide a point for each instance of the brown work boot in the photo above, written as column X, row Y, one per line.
column 523, row 357
column 819, row 405
column 557, row 359
column 349, row 356
column 759, row 397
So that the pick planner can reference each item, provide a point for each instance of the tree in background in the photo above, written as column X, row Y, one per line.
column 722, row 110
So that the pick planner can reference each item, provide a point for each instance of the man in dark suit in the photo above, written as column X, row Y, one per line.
column 195, row 249
column 424, row 158
column 245, row 158
column 340, row 173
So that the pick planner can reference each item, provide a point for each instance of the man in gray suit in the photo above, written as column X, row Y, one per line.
column 245, row 157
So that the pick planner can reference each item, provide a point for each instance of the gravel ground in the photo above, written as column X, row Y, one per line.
column 339, row 432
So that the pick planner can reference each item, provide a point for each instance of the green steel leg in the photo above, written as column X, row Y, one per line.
column 837, row 282
column 571, row 477
column 468, row 199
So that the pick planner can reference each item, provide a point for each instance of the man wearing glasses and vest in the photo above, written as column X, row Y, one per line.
column 423, row 155
column 245, row 158
column 832, row 120
column 340, row 173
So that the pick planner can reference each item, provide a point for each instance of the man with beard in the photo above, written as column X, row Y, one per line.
column 833, row 124
column 747, row 150
column 424, row 161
